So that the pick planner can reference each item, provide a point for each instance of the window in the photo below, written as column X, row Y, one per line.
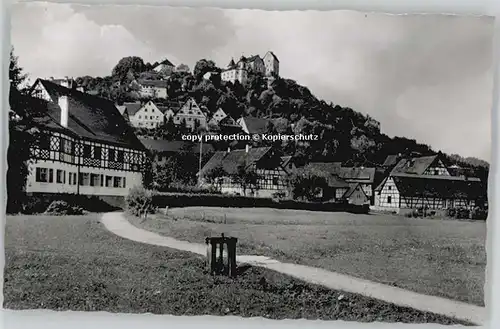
column 111, row 155
column 97, row 152
column 102, row 180
column 70, row 176
column 124, row 181
column 86, row 151
column 51, row 175
column 74, row 179
column 140, row 117
column 389, row 187
column 44, row 142
column 60, row 176
column 41, row 175
column 109, row 181
column 275, row 181
column 117, row 181
column 120, row 156
column 94, row 179
column 389, row 199
column 84, row 179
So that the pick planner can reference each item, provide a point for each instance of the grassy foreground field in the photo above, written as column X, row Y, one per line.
column 73, row 263
column 435, row 257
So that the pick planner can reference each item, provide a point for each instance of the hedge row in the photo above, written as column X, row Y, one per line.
column 40, row 202
column 176, row 200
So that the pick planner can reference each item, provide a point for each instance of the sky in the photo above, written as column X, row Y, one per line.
column 425, row 77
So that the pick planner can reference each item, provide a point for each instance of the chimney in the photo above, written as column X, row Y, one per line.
column 228, row 149
column 63, row 104
column 247, row 147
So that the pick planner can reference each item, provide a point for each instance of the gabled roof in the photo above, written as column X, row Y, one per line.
column 367, row 175
column 352, row 189
column 230, row 161
column 153, row 83
column 255, row 125
column 90, row 117
column 252, row 58
column 275, row 57
column 165, row 146
column 122, row 109
column 132, row 108
column 432, row 187
column 165, row 62
column 231, row 64
column 415, row 165
column 329, row 171
column 391, row 160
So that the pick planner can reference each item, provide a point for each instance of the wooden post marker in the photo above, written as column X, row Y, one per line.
column 216, row 264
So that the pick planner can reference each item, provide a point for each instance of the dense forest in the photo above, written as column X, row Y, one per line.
column 344, row 134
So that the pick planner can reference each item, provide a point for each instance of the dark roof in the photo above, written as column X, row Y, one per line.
column 231, row 64
column 432, row 187
column 90, row 117
column 153, row 83
column 230, row 161
column 367, row 175
column 328, row 171
column 416, row 165
column 165, row 146
column 352, row 189
column 255, row 125
column 132, row 108
column 252, row 58
column 390, row 161
column 275, row 57
column 166, row 62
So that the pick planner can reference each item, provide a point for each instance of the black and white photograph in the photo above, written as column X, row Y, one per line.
column 318, row 165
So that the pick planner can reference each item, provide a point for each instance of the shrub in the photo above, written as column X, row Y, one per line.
column 451, row 212
column 139, row 201
column 478, row 213
column 60, row 207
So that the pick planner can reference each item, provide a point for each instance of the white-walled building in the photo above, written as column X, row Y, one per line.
column 147, row 116
column 191, row 115
column 267, row 66
column 86, row 146
column 153, row 89
column 165, row 68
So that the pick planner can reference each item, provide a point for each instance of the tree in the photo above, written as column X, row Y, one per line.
column 126, row 65
column 306, row 186
column 246, row 178
column 216, row 176
column 16, row 75
column 203, row 66
column 182, row 68
column 23, row 133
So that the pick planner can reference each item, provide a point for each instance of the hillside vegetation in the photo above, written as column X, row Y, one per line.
column 344, row 134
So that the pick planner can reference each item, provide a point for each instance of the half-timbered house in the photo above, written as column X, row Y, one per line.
column 271, row 168
column 86, row 146
column 426, row 182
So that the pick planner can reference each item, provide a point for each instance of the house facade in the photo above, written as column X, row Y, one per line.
column 272, row 64
column 235, row 72
column 272, row 171
column 165, row 68
column 147, row 116
column 86, row 146
column 426, row 182
column 252, row 125
column 161, row 149
column 217, row 117
column 191, row 115
column 151, row 89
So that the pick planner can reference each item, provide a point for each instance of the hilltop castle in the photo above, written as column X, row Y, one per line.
column 267, row 65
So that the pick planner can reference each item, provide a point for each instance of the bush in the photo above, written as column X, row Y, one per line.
column 139, row 201
column 60, row 207
column 479, row 213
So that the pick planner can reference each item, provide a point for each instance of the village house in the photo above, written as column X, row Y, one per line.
column 272, row 170
column 252, row 125
column 68, row 83
column 217, row 117
column 191, row 115
column 147, row 116
column 161, row 149
column 86, row 146
column 351, row 184
column 153, row 89
column 235, row 72
column 165, row 68
column 426, row 182
column 124, row 112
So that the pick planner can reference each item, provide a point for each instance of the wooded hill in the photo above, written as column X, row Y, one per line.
column 344, row 134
